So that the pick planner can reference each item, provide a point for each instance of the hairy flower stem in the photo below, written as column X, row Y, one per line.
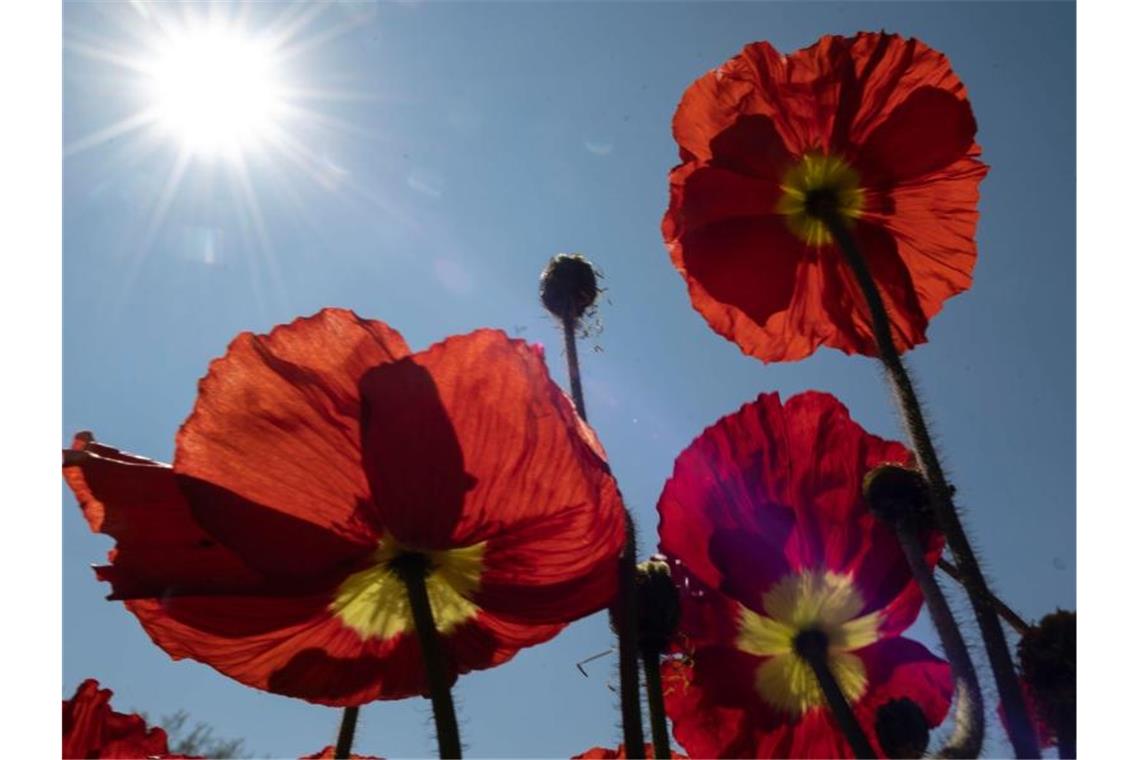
column 651, row 659
column 1016, row 622
column 569, row 332
column 412, row 570
column 970, row 721
column 347, row 732
column 623, row 617
column 811, row 645
column 1021, row 733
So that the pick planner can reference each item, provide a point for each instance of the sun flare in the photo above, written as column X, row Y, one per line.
column 215, row 90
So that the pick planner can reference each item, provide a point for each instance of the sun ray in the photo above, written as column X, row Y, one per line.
column 132, row 123
column 154, row 225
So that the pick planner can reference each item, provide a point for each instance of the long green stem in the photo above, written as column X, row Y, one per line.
column 1016, row 622
column 812, row 646
column 651, row 659
column 412, row 569
column 347, row 732
column 569, row 333
column 1021, row 732
column 623, row 618
column 970, row 721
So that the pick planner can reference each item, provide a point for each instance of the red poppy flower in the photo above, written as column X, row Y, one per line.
column 765, row 522
column 605, row 753
column 876, row 126
column 318, row 454
column 91, row 729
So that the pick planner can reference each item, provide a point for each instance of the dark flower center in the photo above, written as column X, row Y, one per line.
column 811, row 644
column 821, row 203
column 409, row 564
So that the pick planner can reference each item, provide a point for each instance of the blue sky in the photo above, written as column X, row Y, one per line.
column 458, row 147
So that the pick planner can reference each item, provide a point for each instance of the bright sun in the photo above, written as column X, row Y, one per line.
column 215, row 90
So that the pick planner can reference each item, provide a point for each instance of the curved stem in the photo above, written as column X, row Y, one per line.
column 412, row 570
column 623, row 617
column 970, row 721
column 347, row 732
column 1021, row 733
column 1016, row 622
column 651, row 659
column 814, row 651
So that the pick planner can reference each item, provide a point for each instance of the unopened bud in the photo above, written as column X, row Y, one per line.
column 1048, row 658
column 568, row 286
column 901, row 728
column 658, row 604
column 896, row 493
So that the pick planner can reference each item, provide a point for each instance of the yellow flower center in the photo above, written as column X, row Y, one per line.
column 816, row 187
column 810, row 601
column 374, row 601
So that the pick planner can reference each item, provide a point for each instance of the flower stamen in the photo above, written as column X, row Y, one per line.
column 816, row 189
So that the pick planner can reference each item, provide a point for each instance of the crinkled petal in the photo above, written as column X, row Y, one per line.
column 92, row 729
column 160, row 549
column 928, row 132
column 798, row 92
column 847, row 308
column 933, row 220
column 470, row 441
column 277, row 420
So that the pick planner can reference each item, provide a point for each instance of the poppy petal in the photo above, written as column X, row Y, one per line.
column 277, row 419
column 730, row 480
column 798, row 92
column 514, row 466
column 929, row 131
column 92, row 729
column 887, row 70
column 933, row 221
column 847, row 307
column 159, row 549
column 900, row 668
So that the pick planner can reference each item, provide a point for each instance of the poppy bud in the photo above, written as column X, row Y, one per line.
column 658, row 605
column 901, row 728
column 896, row 493
column 1048, row 656
column 568, row 286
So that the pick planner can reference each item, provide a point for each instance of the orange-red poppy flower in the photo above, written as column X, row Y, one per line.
column 876, row 127
column 321, row 452
column 605, row 753
column 91, row 729
column 765, row 522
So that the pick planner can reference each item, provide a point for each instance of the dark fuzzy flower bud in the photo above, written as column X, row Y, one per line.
column 901, row 728
column 658, row 605
column 568, row 286
column 896, row 493
column 1048, row 657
